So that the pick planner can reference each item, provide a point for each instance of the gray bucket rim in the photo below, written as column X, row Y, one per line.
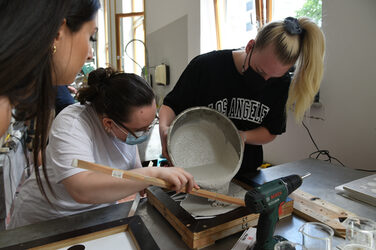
column 171, row 127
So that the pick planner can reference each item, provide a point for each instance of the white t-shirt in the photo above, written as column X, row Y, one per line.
column 76, row 133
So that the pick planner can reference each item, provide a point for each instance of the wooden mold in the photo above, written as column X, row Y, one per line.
column 204, row 232
column 133, row 227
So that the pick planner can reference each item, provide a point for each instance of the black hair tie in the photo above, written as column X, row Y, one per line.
column 292, row 26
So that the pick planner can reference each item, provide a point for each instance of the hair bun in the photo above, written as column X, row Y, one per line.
column 97, row 80
column 98, row 76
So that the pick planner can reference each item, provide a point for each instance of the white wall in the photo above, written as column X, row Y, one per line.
column 159, row 13
column 183, row 19
column 348, row 92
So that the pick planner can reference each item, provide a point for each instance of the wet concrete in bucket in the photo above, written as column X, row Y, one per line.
column 203, row 149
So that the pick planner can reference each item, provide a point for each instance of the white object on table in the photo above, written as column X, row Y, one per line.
column 247, row 240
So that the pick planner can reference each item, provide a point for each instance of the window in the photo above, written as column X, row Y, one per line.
column 101, row 45
column 121, row 36
column 130, row 37
column 237, row 21
column 234, row 24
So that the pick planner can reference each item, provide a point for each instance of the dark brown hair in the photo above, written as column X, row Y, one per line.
column 114, row 93
column 28, row 29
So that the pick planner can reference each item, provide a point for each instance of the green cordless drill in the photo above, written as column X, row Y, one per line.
column 266, row 200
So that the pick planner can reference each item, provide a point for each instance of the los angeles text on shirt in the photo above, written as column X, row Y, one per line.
column 242, row 109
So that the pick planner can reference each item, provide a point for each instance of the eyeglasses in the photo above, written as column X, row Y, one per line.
column 138, row 134
column 152, row 124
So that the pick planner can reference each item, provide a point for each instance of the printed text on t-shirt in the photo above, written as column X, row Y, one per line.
column 242, row 109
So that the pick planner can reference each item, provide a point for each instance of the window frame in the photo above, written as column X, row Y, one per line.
column 263, row 15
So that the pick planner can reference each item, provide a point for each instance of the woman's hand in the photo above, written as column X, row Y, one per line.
column 176, row 176
column 243, row 135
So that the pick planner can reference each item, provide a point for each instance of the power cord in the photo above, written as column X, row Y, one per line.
column 321, row 152
column 145, row 70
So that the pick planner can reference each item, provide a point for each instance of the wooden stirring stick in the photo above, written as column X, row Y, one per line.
column 153, row 181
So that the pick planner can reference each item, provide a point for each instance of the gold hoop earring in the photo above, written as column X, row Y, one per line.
column 54, row 49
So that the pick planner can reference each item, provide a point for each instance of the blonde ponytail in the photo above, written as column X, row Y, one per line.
column 309, row 69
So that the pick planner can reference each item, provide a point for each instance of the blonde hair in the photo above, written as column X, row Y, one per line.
column 306, row 50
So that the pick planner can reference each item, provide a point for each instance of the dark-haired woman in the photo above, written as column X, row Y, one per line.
column 116, row 112
column 42, row 43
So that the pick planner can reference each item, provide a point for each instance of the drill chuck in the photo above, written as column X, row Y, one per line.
column 292, row 182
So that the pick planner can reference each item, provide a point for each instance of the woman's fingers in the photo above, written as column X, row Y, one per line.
column 142, row 193
column 190, row 183
column 182, row 182
column 178, row 177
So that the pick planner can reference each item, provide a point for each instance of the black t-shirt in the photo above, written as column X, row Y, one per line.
column 212, row 80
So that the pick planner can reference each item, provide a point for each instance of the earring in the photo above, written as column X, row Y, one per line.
column 54, row 49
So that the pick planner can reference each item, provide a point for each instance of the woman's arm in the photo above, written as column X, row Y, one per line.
column 257, row 136
column 166, row 116
column 96, row 188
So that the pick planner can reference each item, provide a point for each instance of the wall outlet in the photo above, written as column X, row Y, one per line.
column 162, row 74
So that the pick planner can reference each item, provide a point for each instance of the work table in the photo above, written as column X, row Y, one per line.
column 324, row 178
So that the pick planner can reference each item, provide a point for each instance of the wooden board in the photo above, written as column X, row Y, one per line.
column 312, row 208
column 201, row 233
column 132, row 226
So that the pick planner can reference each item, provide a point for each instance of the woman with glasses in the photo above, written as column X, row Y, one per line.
column 116, row 112
column 138, row 136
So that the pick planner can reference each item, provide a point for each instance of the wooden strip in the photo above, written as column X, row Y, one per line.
column 312, row 208
column 83, row 238
column 217, row 196
column 153, row 181
column 123, row 174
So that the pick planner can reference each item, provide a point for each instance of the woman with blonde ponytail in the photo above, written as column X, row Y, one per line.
column 253, row 87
